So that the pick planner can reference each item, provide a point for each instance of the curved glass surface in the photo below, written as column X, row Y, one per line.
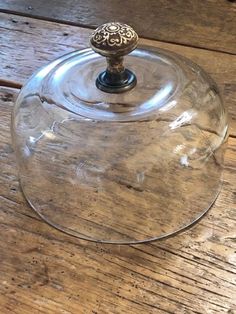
column 120, row 168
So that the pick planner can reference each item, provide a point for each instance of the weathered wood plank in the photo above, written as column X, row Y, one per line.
column 49, row 40
column 207, row 24
column 45, row 271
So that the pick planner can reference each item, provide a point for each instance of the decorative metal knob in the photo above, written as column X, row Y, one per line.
column 113, row 41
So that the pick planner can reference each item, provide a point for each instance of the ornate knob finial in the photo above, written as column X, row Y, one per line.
column 113, row 41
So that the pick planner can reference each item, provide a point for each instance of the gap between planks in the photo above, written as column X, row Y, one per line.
column 70, row 23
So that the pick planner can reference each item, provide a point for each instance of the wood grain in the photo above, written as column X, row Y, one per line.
column 207, row 24
column 45, row 271
column 49, row 40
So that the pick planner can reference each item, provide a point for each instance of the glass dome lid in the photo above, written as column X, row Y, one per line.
column 120, row 150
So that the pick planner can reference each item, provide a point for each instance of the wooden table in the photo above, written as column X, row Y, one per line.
column 45, row 271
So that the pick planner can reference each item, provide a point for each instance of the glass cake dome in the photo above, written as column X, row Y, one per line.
column 120, row 150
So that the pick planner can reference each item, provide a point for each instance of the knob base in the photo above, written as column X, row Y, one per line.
column 116, row 82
